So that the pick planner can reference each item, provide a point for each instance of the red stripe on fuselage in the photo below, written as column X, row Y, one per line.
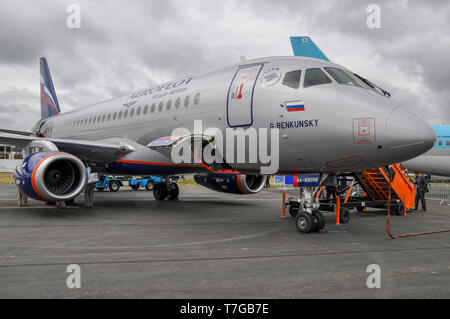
column 158, row 164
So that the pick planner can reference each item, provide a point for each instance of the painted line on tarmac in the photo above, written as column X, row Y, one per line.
column 208, row 242
column 310, row 254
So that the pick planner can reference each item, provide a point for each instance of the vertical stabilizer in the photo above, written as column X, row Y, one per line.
column 49, row 101
column 304, row 46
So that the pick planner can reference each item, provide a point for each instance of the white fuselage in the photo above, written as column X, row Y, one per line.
column 329, row 135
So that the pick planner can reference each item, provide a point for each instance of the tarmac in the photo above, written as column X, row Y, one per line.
column 213, row 245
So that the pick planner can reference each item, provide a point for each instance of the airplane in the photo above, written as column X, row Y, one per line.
column 329, row 120
column 437, row 160
column 434, row 162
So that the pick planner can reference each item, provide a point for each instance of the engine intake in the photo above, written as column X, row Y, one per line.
column 51, row 176
column 232, row 183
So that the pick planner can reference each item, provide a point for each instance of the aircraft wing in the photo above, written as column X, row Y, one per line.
column 101, row 152
column 6, row 130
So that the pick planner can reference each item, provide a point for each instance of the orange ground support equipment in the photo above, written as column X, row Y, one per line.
column 376, row 183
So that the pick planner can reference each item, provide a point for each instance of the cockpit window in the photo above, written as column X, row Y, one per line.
column 347, row 78
column 292, row 79
column 315, row 77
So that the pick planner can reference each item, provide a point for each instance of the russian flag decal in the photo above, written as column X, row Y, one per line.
column 295, row 107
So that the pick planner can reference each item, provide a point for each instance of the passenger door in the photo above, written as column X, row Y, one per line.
column 240, row 96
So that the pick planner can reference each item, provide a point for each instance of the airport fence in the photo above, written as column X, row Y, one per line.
column 440, row 192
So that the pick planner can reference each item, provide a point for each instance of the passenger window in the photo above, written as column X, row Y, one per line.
column 169, row 103
column 131, row 112
column 440, row 142
column 120, row 115
column 109, row 117
column 115, row 116
column 145, row 109
column 177, row 103
column 186, row 100
column 197, row 99
column 160, row 106
column 447, row 143
column 292, row 79
column 138, row 112
column 315, row 77
column 125, row 114
column 153, row 108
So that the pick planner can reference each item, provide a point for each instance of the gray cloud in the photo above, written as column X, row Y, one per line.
column 124, row 46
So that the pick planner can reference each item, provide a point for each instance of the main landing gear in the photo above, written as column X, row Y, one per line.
column 168, row 189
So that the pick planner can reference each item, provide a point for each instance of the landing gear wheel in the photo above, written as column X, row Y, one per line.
column 174, row 192
column 304, row 222
column 135, row 187
column 319, row 221
column 344, row 215
column 293, row 211
column 149, row 186
column 114, row 186
column 400, row 209
column 160, row 191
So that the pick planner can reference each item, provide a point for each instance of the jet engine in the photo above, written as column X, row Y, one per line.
column 51, row 176
column 232, row 183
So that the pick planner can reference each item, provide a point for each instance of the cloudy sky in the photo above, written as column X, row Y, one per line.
column 127, row 45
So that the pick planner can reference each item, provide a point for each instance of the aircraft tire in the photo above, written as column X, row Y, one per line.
column 160, row 191
column 319, row 221
column 174, row 192
column 304, row 222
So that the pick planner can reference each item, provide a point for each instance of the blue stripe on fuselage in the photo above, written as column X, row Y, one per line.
column 122, row 168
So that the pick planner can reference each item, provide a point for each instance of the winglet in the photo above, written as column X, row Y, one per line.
column 304, row 46
column 49, row 101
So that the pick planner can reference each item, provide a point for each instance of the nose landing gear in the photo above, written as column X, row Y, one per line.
column 305, row 210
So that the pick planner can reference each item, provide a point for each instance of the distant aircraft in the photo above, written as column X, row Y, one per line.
column 437, row 160
column 329, row 119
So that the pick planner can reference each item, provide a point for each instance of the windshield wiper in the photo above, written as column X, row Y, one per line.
column 373, row 86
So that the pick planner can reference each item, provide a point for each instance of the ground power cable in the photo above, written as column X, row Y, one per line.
column 388, row 220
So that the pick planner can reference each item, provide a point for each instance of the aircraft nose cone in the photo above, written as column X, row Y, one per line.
column 408, row 135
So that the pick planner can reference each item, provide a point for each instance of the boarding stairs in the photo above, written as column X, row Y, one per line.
column 375, row 183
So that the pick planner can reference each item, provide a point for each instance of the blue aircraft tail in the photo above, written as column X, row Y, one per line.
column 304, row 46
column 49, row 101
